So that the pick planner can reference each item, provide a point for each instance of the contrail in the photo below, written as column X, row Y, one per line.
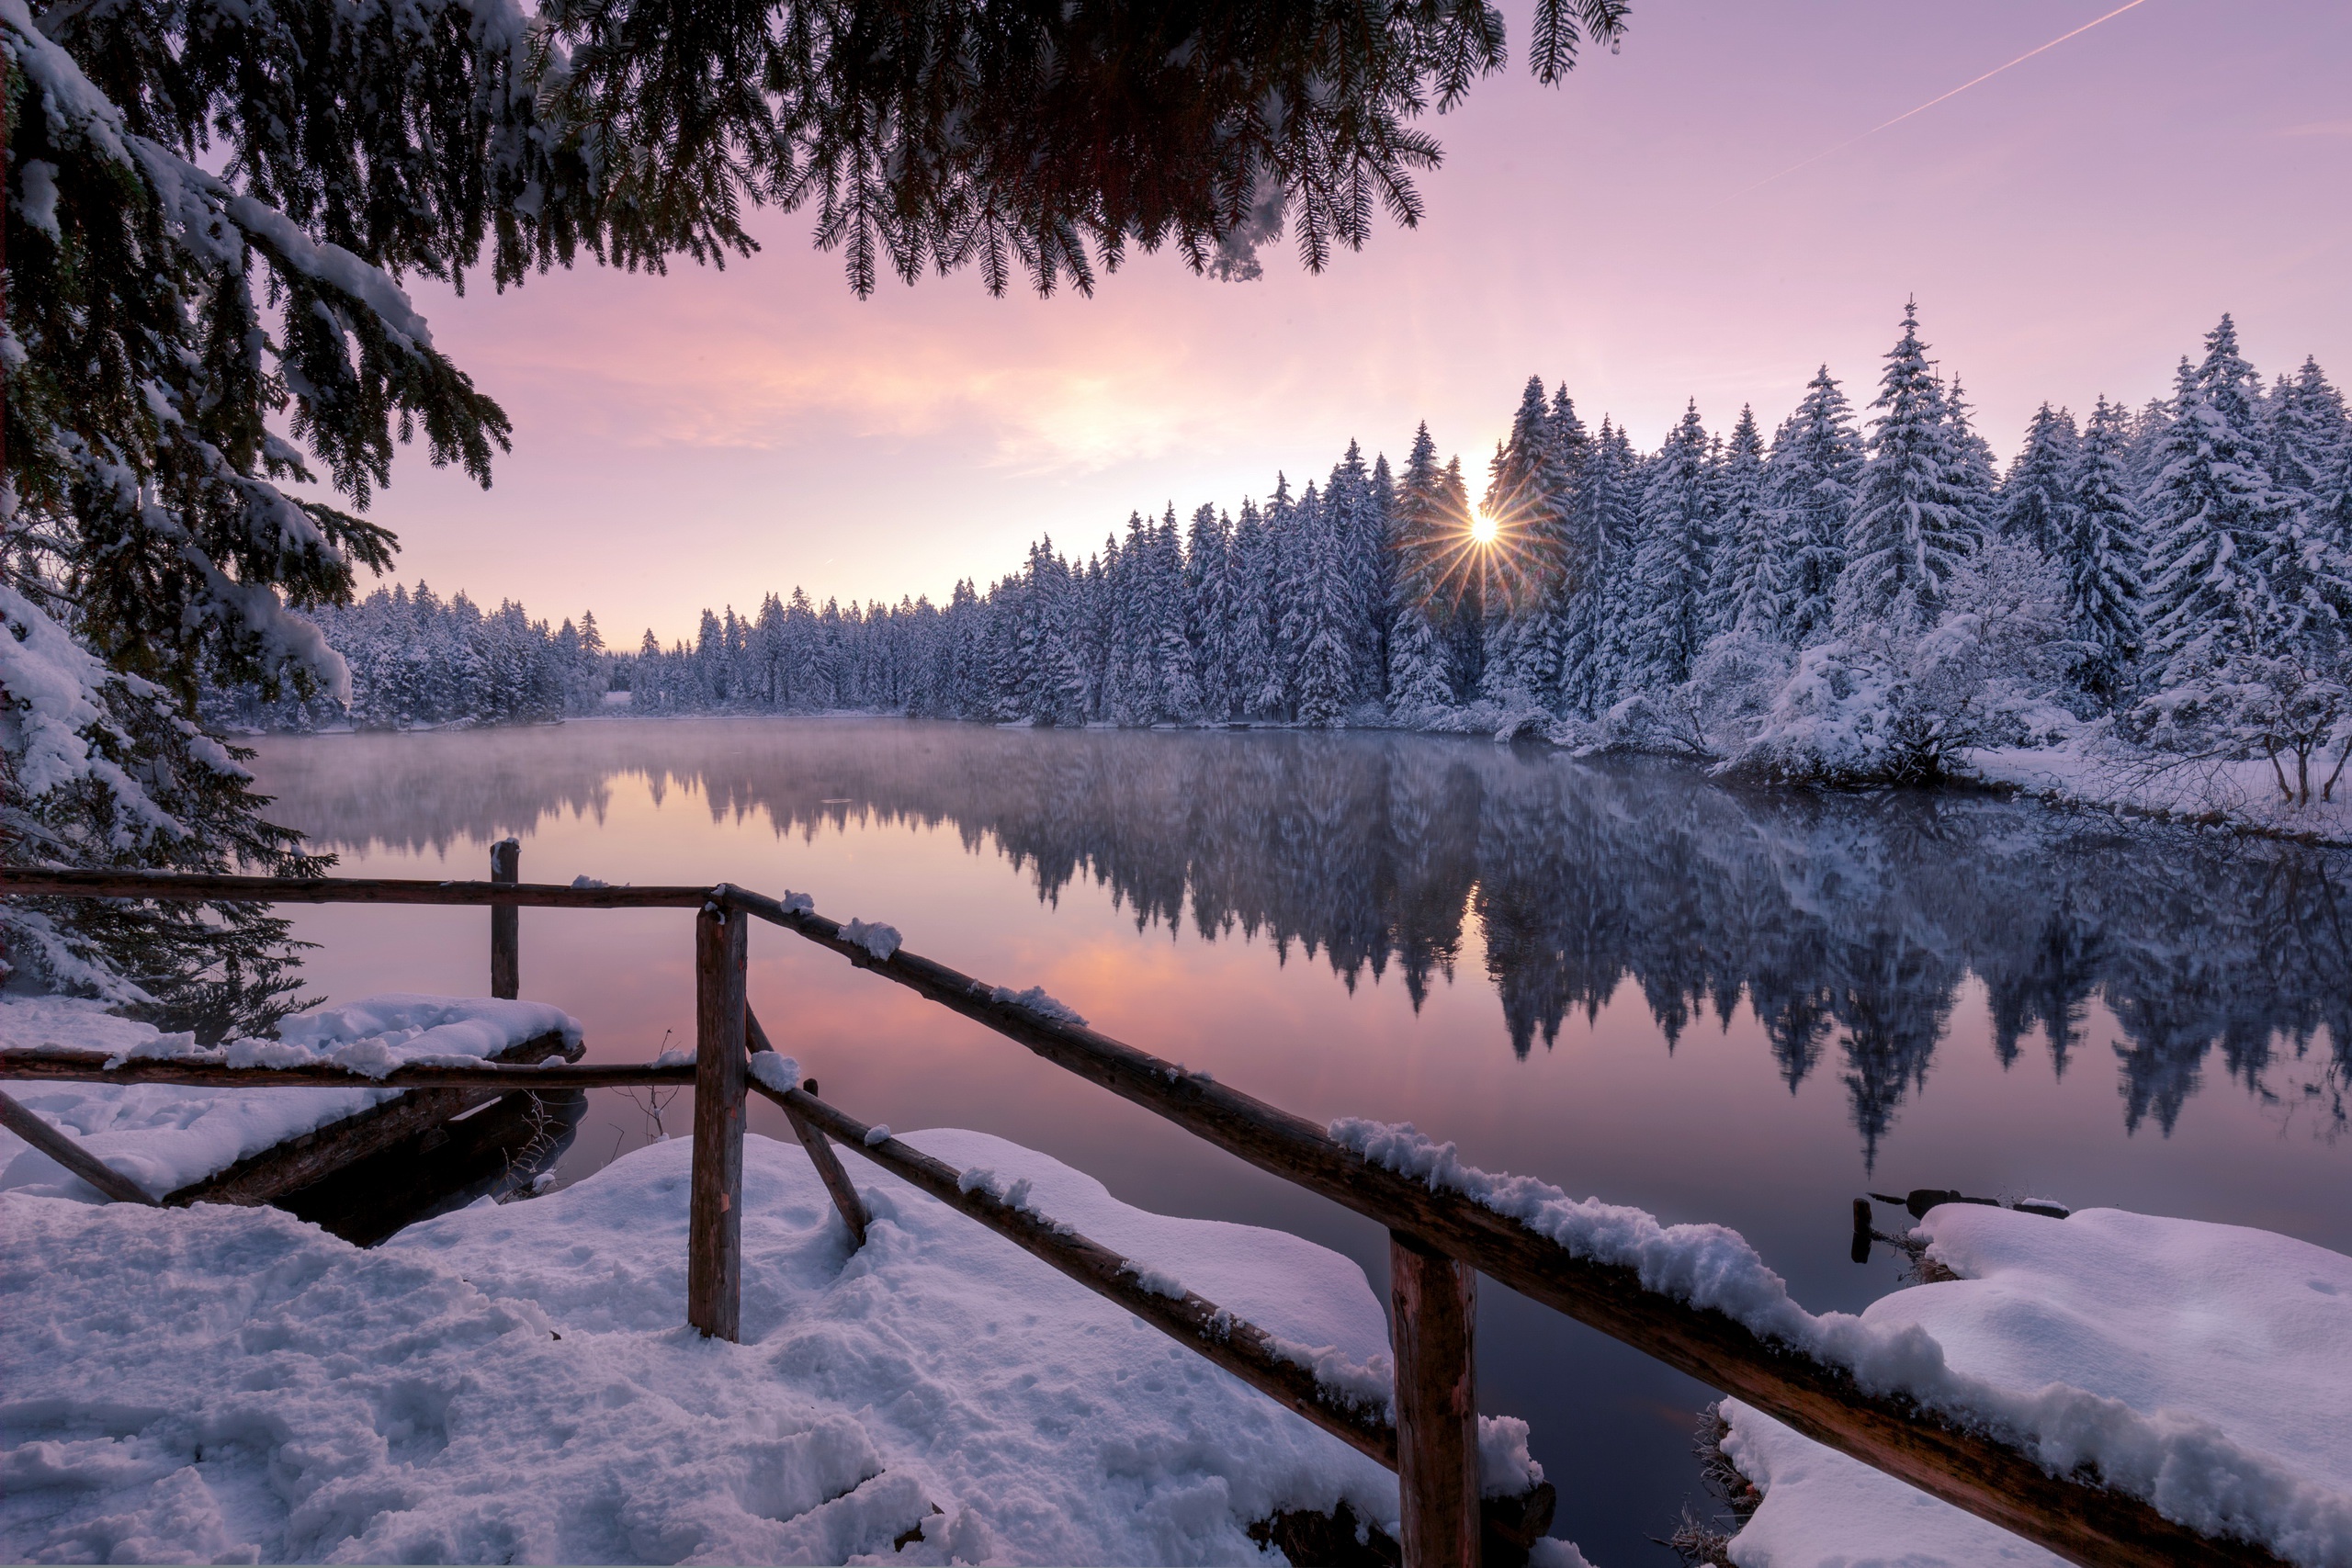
column 1931, row 103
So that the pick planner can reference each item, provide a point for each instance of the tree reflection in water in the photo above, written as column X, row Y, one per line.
column 1848, row 922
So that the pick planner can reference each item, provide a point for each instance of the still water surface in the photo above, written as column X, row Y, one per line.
column 1740, row 1008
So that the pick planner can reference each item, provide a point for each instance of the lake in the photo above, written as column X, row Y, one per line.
column 1740, row 1006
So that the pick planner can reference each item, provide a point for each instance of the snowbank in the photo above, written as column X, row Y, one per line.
column 515, row 1383
column 167, row 1137
column 2214, row 1477
column 2240, row 1335
column 2243, row 793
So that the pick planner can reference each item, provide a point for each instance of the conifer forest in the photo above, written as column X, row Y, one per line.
column 1858, row 596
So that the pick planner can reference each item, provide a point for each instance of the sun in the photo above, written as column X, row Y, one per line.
column 1483, row 528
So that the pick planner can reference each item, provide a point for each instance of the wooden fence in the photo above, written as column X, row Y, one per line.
column 1441, row 1241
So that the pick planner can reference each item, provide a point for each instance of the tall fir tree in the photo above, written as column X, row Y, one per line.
column 1604, row 523
column 1748, row 591
column 2212, row 517
column 2036, row 491
column 1527, row 500
column 2101, row 554
column 1811, row 478
column 1674, row 561
column 1916, row 513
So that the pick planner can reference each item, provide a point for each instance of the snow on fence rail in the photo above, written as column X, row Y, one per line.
column 2087, row 1479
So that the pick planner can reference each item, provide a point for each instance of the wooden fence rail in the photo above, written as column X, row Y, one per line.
column 1442, row 1238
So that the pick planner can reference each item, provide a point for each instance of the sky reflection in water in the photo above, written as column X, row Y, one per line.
column 1737, row 1008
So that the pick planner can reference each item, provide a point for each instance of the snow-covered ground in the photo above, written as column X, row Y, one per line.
column 2239, row 1335
column 516, row 1382
column 2243, row 793
column 167, row 1137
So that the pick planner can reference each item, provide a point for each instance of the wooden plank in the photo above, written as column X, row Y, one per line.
column 715, row 1220
column 1978, row 1470
column 1199, row 1325
column 1434, row 1312
column 271, row 1173
column 35, row 1130
column 506, row 922
column 819, row 1147
column 89, row 1067
column 189, row 888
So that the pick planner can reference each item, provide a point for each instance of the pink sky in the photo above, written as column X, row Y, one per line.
column 2070, row 227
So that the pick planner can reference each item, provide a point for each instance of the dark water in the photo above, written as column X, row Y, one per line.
column 1743, row 1008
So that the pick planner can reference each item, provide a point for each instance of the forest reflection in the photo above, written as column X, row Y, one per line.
column 1849, row 923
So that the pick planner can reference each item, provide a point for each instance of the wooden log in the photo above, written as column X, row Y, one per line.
column 269, row 1174
column 490, row 1151
column 819, row 1147
column 1433, row 1311
column 715, row 1221
column 89, row 1067
column 1199, row 1325
column 506, row 922
column 35, row 1130
column 185, row 888
column 1984, row 1472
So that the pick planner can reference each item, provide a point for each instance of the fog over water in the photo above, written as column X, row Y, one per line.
column 1737, row 1006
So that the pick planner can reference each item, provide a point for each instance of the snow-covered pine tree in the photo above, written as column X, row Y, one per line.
column 1527, row 498
column 1357, row 536
column 1254, row 675
column 1674, row 560
column 2101, row 554
column 1176, row 673
column 1916, row 514
column 1975, row 469
column 1322, row 617
column 1381, row 605
column 1748, row 591
column 1464, row 630
column 1810, row 478
column 1208, row 568
column 1425, row 541
column 2036, row 490
column 1603, row 533
column 2212, row 517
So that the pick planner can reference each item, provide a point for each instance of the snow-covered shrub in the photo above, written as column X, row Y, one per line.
column 2294, row 709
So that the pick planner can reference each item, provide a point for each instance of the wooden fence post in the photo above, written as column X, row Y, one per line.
column 1433, row 1304
column 506, row 922
column 714, row 1219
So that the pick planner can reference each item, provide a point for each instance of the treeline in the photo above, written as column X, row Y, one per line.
column 418, row 660
column 1831, row 600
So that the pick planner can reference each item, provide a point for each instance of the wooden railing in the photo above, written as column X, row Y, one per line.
column 1440, row 1240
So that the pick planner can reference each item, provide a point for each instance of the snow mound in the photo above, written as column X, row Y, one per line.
column 877, row 939
column 167, row 1137
column 513, row 1382
column 2238, row 1334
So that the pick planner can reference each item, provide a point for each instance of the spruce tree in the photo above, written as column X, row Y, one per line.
column 1811, row 477
column 1602, row 539
column 1914, row 516
column 1527, row 498
column 1748, row 591
column 2211, row 515
column 2036, row 491
column 1674, row 560
column 2101, row 553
